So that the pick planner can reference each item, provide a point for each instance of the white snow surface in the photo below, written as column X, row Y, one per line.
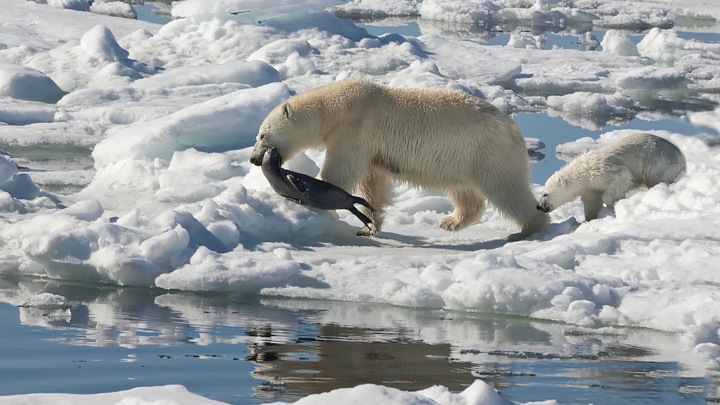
column 477, row 393
column 170, row 113
column 168, row 394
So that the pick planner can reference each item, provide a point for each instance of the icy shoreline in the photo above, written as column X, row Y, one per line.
column 171, row 111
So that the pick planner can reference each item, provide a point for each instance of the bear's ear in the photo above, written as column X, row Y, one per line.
column 287, row 111
column 561, row 181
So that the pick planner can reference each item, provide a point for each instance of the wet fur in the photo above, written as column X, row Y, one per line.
column 606, row 175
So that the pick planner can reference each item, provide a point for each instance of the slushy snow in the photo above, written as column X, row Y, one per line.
column 167, row 198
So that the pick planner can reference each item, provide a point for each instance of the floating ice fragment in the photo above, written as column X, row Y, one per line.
column 617, row 43
column 523, row 42
column 114, row 8
column 660, row 45
column 78, row 5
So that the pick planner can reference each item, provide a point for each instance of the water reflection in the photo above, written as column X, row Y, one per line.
column 300, row 347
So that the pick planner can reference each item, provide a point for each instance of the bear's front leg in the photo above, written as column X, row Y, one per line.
column 593, row 203
column 376, row 189
column 345, row 166
column 346, row 163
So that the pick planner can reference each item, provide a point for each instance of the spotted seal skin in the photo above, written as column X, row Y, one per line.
column 307, row 190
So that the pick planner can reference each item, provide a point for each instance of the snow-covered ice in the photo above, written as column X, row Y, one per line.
column 162, row 120
column 170, row 394
column 478, row 393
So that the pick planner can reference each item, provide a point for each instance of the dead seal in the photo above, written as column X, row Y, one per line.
column 307, row 190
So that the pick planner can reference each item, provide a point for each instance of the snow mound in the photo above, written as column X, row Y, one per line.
column 617, row 43
column 222, row 123
column 28, row 84
column 660, row 45
column 98, row 59
column 18, row 185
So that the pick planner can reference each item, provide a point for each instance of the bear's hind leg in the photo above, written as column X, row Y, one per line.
column 469, row 207
column 510, row 193
column 376, row 188
column 623, row 181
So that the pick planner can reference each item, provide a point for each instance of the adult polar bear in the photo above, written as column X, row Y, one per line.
column 432, row 138
column 605, row 175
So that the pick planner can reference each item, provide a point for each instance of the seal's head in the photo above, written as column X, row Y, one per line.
column 272, row 158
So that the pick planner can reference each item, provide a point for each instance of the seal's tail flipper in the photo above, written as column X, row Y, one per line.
column 367, row 221
column 361, row 201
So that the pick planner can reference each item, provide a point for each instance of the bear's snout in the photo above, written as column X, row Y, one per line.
column 542, row 208
column 257, row 155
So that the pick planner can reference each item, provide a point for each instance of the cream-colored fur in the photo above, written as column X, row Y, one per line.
column 432, row 138
column 606, row 175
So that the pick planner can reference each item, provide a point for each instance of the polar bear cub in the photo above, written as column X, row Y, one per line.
column 606, row 175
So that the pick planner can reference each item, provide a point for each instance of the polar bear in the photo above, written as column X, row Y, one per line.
column 432, row 138
column 605, row 175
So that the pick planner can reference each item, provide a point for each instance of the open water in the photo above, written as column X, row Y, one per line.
column 244, row 350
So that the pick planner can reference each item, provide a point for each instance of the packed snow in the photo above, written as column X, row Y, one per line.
column 160, row 120
column 478, row 393
column 169, row 394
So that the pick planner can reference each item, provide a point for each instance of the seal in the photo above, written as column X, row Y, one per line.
column 307, row 190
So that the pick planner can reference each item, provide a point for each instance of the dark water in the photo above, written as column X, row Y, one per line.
column 154, row 12
column 242, row 350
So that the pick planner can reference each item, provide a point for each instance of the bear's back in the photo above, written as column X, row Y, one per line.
column 650, row 158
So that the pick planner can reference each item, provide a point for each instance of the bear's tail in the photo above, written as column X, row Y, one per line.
column 361, row 201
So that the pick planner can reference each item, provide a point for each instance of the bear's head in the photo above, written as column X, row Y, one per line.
column 287, row 130
column 559, row 189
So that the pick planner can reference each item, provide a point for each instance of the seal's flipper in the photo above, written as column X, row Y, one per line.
column 295, row 200
column 296, row 182
column 367, row 221
column 362, row 201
